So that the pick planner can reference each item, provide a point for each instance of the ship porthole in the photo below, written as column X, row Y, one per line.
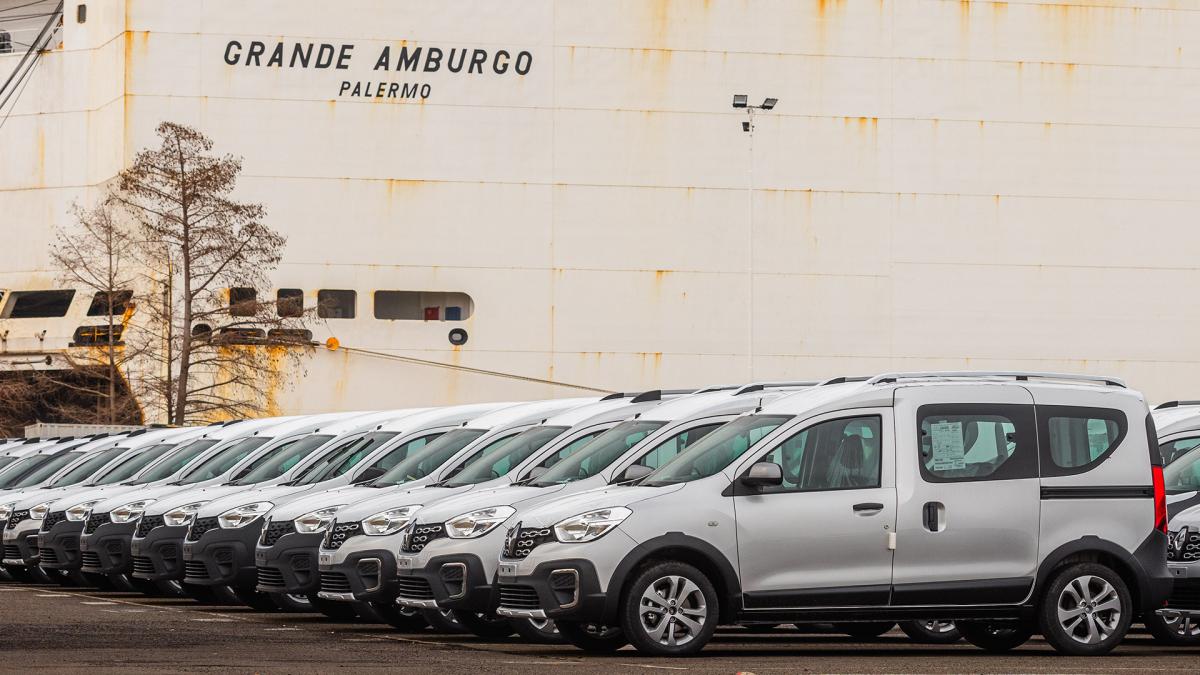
column 458, row 337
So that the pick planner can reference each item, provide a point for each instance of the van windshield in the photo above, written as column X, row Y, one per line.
column 506, row 457
column 1183, row 475
column 421, row 464
column 343, row 458
column 604, row 450
column 132, row 465
column 715, row 451
column 280, row 460
column 175, row 462
column 5, row 461
column 223, row 461
column 43, row 467
column 86, row 468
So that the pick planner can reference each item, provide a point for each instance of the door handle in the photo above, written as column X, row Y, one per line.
column 868, row 508
column 932, row 516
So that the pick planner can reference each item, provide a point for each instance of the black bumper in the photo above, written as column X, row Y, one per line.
column 25, row 549
column 562, row 589
column 449, row 582
column 368, row 576
column 222, row 557
column 58, row 548
column 159, row 555
column 289, row 565
column 1155, row 581
column 107, row 549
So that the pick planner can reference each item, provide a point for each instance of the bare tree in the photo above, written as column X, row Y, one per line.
column 218, row 344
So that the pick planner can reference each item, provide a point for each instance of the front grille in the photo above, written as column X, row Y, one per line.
column 272, row 533
column 522, row 540
column 419, row 536
column 96, row 520
column 334, row 582
column 1186, row 594
column 199, row 527
column 194, row 569
column 146, row 524
column 53, row 518
column 1184, row 547
column 48, row 557
column 414, row 588
column 143, row 565
column 516, row 596
column 338, row 533
column 270, row 576
column 89, row 559
column 12, row 552
column 17, row 517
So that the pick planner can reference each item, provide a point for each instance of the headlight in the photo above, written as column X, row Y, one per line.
column 181, row 515
column 5, row 511
column 390, row 521
column 38, row 512
column 477, row 523
column 243, row 515
column 130, row 512
column 81, row 511
column 316, row 521
column 590, row 525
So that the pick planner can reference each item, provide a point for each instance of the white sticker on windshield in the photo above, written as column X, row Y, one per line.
column 948, row 453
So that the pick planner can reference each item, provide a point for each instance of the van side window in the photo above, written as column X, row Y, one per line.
column 1075, row 439
column 568, row 450
column 666, row 451
column 970, row 442
column 842, row 454
column 1173, row 450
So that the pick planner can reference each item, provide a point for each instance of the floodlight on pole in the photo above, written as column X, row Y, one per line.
column 740, row 100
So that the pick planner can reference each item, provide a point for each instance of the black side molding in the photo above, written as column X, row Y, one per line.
column 1098, row 492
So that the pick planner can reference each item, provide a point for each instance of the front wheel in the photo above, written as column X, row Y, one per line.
column 442, row 621
column 995, row 637
column 1086, row 610
column 670, row 609
column 539, row 631
column 592, row 637
column 338, row 611
column 1174, row 630
column 932, row 632
column 252, row 598
column 865, row 630
column 487, row 626
column 288, row 602
column 404, row 619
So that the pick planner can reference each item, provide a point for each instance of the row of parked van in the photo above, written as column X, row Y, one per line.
column 990, row 506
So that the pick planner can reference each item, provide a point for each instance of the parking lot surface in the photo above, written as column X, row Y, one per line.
column 75, row 630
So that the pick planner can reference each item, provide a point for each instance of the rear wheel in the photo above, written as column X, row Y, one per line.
column 401, row 618
column 865, row 630
column 931, row 632
column 540, row 631
column 670, row 609
column 487, row 626
column 1086, row 610
column 1174, row 630
column 442, row 621
column 592, row 637
column 995, row 636
column 338, row 611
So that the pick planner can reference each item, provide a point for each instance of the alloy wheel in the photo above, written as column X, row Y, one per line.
column 1089, row 609
column 673, row 610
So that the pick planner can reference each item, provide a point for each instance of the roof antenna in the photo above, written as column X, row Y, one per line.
column 760, row 402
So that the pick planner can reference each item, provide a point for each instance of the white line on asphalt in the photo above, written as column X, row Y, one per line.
column 281, row 629
column 98, row 602
column 53, row 595
column 214, row 620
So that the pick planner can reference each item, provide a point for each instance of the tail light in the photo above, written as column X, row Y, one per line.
column 1160, row 499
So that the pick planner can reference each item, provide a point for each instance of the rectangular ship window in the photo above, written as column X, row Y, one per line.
column 38, row 304
column 289, row 302
column 100, row 305
column 336, row 304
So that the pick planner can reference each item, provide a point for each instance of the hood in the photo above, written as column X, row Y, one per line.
column 156, row 492
column 423, row 496
column 1184, row 510
column 98, row 494
column 546, row 515
column 347, row 494
column 35, row 497
column 192, row 495
column 516, row 496
column 247, row 495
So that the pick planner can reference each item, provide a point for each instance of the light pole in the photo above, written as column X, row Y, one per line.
column 741, row 101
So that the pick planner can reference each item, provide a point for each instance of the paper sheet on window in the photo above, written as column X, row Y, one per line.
column 948, row 452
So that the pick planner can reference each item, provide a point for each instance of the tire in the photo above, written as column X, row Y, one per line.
column 670, row 609
column 338, row 611
column 41, row 576
column 1185, row 632
column 401, row 618
column 1086, row 610
column 487, row 626
column 442, row 621
column 253, row 599
column 995, row 637
column 93, row 580
column 169, row 588
column 296, row 604
column 539, row 631
column 932, row 632
column 18, row 574
column 865, row 630
column 591, row 637
column 201, row 594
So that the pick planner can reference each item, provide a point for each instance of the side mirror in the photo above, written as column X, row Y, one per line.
column 763, row 474
column 536, row 472
column 370, row 474
column 635, row 472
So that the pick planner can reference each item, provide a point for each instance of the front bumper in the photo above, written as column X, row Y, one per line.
column 106, row 550
column 222, row 557
column 21, row 544
column 453, row 581
column 560, row 589
column 289, row 565
column 158, row 555
column 58, row 547
column 361, row 568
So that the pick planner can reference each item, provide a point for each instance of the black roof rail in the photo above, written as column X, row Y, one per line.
column 844, row 379
column 760, row 386
column 1175, row 404
column 1018, row 375
column 652, row 395
column 616, row 395
column 716, row 387
column 136, row 432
